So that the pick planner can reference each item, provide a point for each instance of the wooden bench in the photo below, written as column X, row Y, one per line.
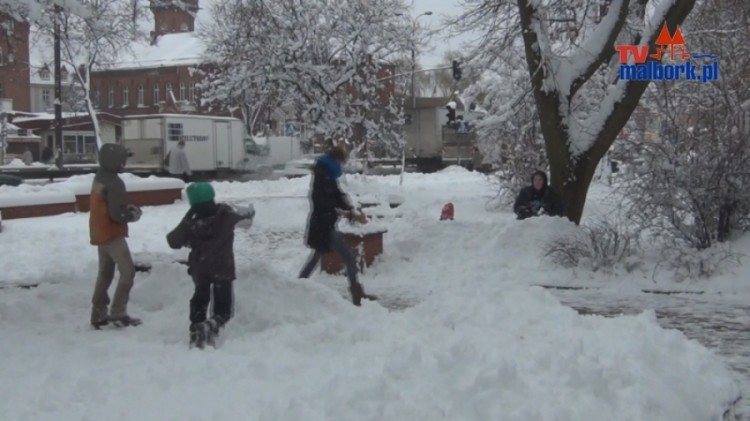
column 35, row 204
column 141, row 192
column 366, row 242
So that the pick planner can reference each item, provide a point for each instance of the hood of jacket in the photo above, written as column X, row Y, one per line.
column 544, row 177
column 112, row 158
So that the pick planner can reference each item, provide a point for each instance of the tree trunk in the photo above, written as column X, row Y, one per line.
column 85, row 82
column 572, row 175
column 573, row 181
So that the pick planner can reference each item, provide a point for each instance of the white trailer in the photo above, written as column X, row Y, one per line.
column 212, row 143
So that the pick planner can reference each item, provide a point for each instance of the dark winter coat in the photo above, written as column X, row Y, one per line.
column 325, row 198
column 530, row 200
column 208, row 230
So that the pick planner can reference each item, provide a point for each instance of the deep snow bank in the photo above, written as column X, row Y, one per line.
column 478, row 342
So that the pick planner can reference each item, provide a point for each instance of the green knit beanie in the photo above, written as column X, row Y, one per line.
column 198, row 193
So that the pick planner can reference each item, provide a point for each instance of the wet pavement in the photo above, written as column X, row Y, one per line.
column 721, row 323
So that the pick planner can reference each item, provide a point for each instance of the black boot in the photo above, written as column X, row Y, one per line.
column 212, row 331
column 358, row 293
column 197, row 335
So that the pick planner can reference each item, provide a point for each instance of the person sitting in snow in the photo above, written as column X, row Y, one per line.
column 208, row 230
column 328, row 202
column 538, row 199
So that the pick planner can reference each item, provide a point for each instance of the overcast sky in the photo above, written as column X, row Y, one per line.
column 440, row 44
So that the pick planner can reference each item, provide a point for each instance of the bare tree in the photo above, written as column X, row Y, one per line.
column 35, row 10
column 92, row 41
column 692, row 184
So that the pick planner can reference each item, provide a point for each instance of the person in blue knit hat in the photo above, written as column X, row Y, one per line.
column 208, row 230
column 328, row 203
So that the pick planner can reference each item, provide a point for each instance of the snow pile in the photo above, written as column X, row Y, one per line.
column 470, row 340
column 454, row 169
column 15, row 163
column 62, row 192
column 81, row 184
column 30, row 195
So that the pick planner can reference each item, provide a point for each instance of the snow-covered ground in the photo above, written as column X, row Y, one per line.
column 471, row 337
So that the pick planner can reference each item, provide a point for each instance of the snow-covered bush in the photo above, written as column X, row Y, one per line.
column 601, row 245
column 687, row 263
column 692, row 184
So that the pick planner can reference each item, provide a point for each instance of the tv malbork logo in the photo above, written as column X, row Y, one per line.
column 671, row 61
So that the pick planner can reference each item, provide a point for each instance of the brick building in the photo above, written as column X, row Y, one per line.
column 155, row 78
column 14, row 62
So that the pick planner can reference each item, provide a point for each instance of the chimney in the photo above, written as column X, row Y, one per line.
column 172, row 17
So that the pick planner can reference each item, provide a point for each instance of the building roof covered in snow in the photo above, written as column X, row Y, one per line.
column 169, row 49
column 182, row 49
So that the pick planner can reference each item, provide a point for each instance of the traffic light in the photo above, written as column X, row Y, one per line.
column 451, row 115
column 456, row 70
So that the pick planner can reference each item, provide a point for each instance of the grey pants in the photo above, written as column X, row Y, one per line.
column 339, row 246
column 114, row 254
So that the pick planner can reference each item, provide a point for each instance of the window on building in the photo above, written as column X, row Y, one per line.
column 140, row 96
column 46, row 98
column 156, row 94
column 169, row 91
column 44, row 74
column 64, row 74
column 2, row 90
column 182, row 91
column 79, row 144
column 191, row 92
column 125, row 97
column 174, row 132
column 97, row 98
column 111, row 97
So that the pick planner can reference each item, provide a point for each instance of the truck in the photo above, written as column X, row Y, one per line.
column 214, row 145
column 431, row 142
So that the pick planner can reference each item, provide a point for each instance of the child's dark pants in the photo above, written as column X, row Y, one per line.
column 223, row 302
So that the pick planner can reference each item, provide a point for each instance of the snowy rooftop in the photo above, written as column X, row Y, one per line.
column 41, row 59
column 48, row 116
column 170, row 50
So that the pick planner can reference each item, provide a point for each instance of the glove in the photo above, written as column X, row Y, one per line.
column 359, row 217
column 247, row 214
column 135, row 212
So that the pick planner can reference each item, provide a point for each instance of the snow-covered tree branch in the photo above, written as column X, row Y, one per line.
column 573, row 70
column 35, row 10
column 322, row 61
column 91, row 42
column 692, row 185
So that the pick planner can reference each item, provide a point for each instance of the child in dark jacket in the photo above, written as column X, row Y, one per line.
column 208, row 230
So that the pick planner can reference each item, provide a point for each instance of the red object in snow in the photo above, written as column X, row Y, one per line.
column 447, row 212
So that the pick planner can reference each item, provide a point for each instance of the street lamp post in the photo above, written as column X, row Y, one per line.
column 413, row 90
